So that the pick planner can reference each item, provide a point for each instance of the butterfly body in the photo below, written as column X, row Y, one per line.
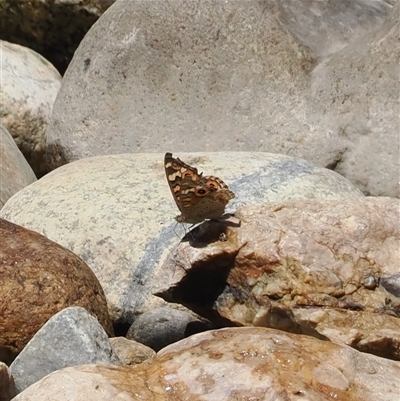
column 197, row 197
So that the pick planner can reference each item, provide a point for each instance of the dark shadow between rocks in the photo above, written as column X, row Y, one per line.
column 120, row 328
column 7, row 355
column 55, row 157
column 201, row 287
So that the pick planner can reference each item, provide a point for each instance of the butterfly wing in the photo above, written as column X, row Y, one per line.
column 197, row 197
column 204, row 199
column 177, row 171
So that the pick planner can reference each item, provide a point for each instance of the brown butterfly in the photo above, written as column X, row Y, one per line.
column 197, row 197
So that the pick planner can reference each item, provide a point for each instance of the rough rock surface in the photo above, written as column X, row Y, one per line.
column 28, row 90
column 356, row 93
column 203, row 71
column 15, row 172
column 110, row 210
column 238, row 76
column 130, row 352
column 53, row 28
column 328, row 26
column 7, row 387
column 38, row 279
column 71, row 337
column 232, row 364
column 160, row 327
column 324, row 268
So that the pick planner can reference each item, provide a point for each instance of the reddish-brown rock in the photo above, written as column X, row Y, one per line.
column 38, row 279
column 248, row 363
column 325, row 268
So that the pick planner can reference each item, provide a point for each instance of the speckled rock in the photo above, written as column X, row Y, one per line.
column 71, row 337
column 38, row 279
column 324, row 268
column 29, row 87
column 232, row 364
column 130, row 352
column 160, row 327
column 217, row 73
column 53, row 28
column 7, row 387
column 117, row 213
column 356, row 94
column 234, row 76
column 15, row 172
column 328, row 26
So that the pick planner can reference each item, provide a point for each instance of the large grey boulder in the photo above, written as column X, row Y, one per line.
column 243, row 76
column 117, row 213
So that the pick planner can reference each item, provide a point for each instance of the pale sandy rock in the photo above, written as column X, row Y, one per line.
column 232, row 364
column 235, row 76
column 15, row 172
column 7, row 388
column 324, row 268
column 117, row 212
column 328, row 26
column 53, row 28
column 356, row 95
column 29, row 87
column 69, row 338
column 38, row 279
column 130, row 352
column 216, row 73
column 90, row 383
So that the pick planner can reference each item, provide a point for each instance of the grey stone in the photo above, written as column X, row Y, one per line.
column 29, row 87
column 117, row 213
column 216, row 73
column 71, row 337
column 238, row 76
column 326, row 27
column 356, row 99
column 160, row 327
column 15, row 172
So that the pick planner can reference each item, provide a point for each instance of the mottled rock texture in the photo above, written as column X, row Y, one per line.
column 130, row 352
column 324, row 268
column 117, row 213
column 356, row 95
column 29, row 87
column 311, row 79
column 15, row 172
column 69, row 338
column 38, row 279
column 232, row 364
